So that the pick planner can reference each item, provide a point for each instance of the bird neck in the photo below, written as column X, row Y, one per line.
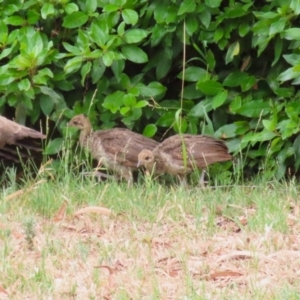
column 150, row 166
column 85, row 133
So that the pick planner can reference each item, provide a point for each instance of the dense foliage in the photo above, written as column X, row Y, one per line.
column 229, row 68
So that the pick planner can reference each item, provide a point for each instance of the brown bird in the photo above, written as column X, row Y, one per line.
column 14, row 137
column 116, row 148
column 183, row 154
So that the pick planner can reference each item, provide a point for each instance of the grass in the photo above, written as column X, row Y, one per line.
column 159, row 242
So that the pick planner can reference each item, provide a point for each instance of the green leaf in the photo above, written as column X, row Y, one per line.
column 10, row 9
column 83, row 41
column 85, row 70
column 233, row 50
column 153, row 89
column 255, row 109
column 47, row 10
column 269, row 124
column 125, row 81
column 293, row 59
column 121, row 29
column 27, row 97
column 130, row 16
column 91, row 6
column 218, row 34
column 111, row 8
column 24, row 85
column 201, row 109
column 6, row 79
column 75, row 20
column 99, row 35
column 114, row 101
column 263, row 136
column 190, row 92
column 226, row 131
column 296, row 146
column 234, row 145
column 241, row 127
column 73, row 64
column 38, row 79
column 248, row 83
column 287, row 128
column 278, row 50
column 210, row 87
column 235, row 79
column 15, row 20
column 150, row 130
column 135, row 35
column 236, row 13
column 192, row 24
column 129, row 100
column 64, row 85
column 54, row 146
column 46, row 104
column 141, row 104
column 70, row 8
column 213, row 3
column 22, row 61
column 291, row 34
column 295, row 6
column 278, row 26
column 134, row 54
column 3, row 32
column 186, row 6
column 118, row 67
column 266, row 15
column 180, row 127
column 5, row 52
column 73, row 49
column 108, row 58
column 194, row 74
column 288, row 74
column 98, row 70
column 205, row 17
column 244, row 29
column 210, row 60
column 32, row 17
column 51, row 93
column 167, row 119
column 219, row 99
column 164, row 63
column 124, row 111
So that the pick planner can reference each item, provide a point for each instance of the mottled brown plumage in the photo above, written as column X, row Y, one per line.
column 116, row 148
column 14, row 137
column 182, row 154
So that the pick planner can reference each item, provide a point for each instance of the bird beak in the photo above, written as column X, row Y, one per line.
column 138, row 164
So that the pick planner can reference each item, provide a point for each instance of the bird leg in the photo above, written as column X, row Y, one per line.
column 129, row 178
column 99, row 175
column 182, row 180
column 201, row 180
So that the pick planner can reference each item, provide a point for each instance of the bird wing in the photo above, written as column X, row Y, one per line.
column 123, row 145
column 11, row 132
column 194, row 150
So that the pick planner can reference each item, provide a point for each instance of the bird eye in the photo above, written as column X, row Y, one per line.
column 147, row 157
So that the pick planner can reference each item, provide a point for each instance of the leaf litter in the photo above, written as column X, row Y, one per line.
column 95, row 254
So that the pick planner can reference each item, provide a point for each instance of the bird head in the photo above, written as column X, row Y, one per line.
column 146, row 159
column 80, row 121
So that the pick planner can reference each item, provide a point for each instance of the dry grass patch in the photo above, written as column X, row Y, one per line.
column 105, row 241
